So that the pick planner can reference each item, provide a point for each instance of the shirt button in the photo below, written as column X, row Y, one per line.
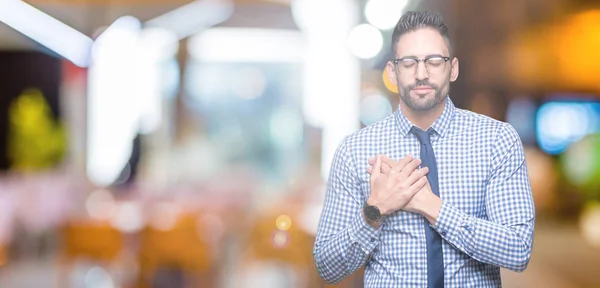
column 443, row 233
column 372, row 239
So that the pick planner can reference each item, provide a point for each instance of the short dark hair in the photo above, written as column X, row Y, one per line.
column 414, row 20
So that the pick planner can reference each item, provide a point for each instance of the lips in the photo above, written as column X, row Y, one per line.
column 423, row 88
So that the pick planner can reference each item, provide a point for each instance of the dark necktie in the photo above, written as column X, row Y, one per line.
column 435, row 260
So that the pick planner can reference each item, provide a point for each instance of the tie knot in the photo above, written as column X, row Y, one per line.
column 423, row 136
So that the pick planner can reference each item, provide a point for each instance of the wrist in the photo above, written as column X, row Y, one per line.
column 379, row 205
column 431, row 209
column 374, row 224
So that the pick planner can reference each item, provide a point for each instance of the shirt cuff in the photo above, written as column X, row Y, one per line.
column 449, row 220
column 456, row 228
column 364, row 234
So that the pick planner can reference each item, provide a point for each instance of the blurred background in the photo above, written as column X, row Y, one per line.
column 178, row 143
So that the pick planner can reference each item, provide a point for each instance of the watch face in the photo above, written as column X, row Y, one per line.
column 372, row 213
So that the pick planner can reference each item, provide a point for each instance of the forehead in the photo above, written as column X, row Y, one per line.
column 420, row 43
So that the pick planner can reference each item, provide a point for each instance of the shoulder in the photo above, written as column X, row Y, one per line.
column 371, row 134
column 479, row 124
column 499, row 138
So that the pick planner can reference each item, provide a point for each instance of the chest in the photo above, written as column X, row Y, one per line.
column 463, row 164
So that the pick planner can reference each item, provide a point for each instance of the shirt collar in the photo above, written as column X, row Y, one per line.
column 441, row 124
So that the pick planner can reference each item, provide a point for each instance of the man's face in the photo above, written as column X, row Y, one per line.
column 420, row 89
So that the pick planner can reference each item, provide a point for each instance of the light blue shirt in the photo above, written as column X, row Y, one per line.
column 486, row 219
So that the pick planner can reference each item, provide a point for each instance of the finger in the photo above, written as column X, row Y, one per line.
column 398, row 166
column 416, row 175
column 386, row 164
column 417, row 186
column 410, row 167
column 406, row 190
column 369, row 169
column 376, row 170
column 384, row 169
column 372, row 160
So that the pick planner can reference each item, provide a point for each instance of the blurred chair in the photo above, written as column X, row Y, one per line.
column 177, row 253
column 3, row 256
column 93, row 241
column 275, row 242
column 284, row 236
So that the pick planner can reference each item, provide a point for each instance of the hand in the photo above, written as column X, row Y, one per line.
column 423, row 202
column 394, row 189
column 386, row 164
column 418, row 203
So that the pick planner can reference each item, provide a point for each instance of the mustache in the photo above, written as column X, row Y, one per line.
column 421, row 83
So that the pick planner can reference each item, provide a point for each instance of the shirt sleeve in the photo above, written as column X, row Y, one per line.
column 505, row 239
column 344, row 240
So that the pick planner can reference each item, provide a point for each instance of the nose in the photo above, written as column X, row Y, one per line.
column 421, row 71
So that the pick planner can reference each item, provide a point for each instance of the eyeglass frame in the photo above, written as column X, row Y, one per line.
column 424, row 60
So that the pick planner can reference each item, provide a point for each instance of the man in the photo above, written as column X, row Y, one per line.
column 449, row 217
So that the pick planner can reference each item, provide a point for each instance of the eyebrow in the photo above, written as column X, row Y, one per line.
column 415, row 57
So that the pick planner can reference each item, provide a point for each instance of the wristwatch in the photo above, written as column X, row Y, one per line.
column 372, row 212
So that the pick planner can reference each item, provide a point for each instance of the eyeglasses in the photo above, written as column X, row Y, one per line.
column 434, row 64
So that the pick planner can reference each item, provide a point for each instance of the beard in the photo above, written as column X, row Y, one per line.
column 414, row 104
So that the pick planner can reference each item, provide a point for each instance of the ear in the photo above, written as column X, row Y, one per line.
column 391, row 72
column 454, row 70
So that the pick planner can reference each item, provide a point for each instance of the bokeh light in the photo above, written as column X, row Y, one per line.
column 589, row 224
column 250, row 83
column 581, row 165
column 562, row 123
column 283, row 222
column 374, row 108
column 286, row 127
column 128, row 217
column 392, row 87
column 165, row 216
column 576, row 44
column 365, row 41
column 100, row 204
column 280, row 239
column 384, row 14
column 98, row 277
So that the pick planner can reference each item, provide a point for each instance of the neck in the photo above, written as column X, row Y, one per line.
column 422, row 119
